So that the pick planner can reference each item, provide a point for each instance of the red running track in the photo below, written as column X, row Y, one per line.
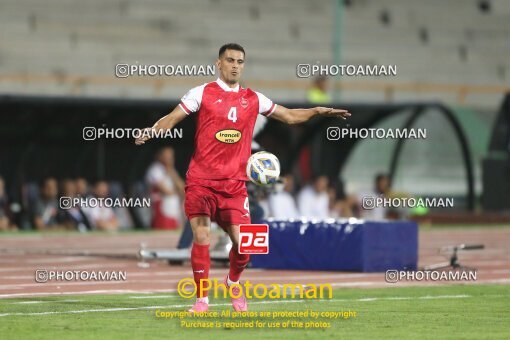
column 21, row 255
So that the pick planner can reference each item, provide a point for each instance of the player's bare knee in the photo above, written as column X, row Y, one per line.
column 201, row 235
column 201, row 227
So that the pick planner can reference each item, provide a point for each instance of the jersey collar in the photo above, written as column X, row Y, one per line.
column 225, row 87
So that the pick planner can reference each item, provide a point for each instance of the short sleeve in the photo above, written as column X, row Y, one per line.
column 192, row 100
column 266, row 105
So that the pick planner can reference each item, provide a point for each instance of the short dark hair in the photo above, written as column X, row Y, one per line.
column 230, row 46
column 45, row 180
column 380, row 176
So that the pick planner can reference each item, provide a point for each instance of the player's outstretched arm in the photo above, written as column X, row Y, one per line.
column 165, row 123
column 297, row 116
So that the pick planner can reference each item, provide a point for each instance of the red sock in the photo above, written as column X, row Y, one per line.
column 237, row 264
column 200, row 263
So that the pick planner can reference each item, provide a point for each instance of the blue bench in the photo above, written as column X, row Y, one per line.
column 352, row 245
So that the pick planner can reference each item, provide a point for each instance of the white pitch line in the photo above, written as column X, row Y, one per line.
column 154, row 297
column 87, row 292
column 426, row 297
column 147, row 291
column 40, row 301
column 142, row 308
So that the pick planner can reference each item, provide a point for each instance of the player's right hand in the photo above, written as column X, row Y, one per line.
column 329, row 111
column 146, row 135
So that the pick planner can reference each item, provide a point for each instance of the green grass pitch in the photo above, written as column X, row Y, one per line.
column 456, row 312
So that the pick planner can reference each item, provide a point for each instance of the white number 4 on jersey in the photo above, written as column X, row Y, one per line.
column 232, row 114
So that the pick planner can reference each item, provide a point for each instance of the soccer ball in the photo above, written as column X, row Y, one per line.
column 263, row 168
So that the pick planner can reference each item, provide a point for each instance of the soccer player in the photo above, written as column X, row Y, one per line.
column 215, row 188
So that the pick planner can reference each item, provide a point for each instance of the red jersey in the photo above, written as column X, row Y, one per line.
column 225, row 118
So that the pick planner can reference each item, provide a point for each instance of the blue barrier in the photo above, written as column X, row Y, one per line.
column 353, row 245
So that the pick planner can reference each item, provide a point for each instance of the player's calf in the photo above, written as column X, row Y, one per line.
column 200, row 263
column 238, row 263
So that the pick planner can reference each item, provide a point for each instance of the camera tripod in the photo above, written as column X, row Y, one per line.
column 454, row 259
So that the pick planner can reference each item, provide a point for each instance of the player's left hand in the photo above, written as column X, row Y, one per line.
column 331, row 112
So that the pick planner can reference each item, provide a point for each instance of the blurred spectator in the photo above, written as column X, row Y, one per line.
column 46, row 208
column 382, row 188
column 82, row 187
column 281, row 202
column 313, row 200
column 101, row 217
column 73, row 216
column 335, row 205
column 5, row 220
column 167, row 191
column 340, row 204
column 318, row 93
